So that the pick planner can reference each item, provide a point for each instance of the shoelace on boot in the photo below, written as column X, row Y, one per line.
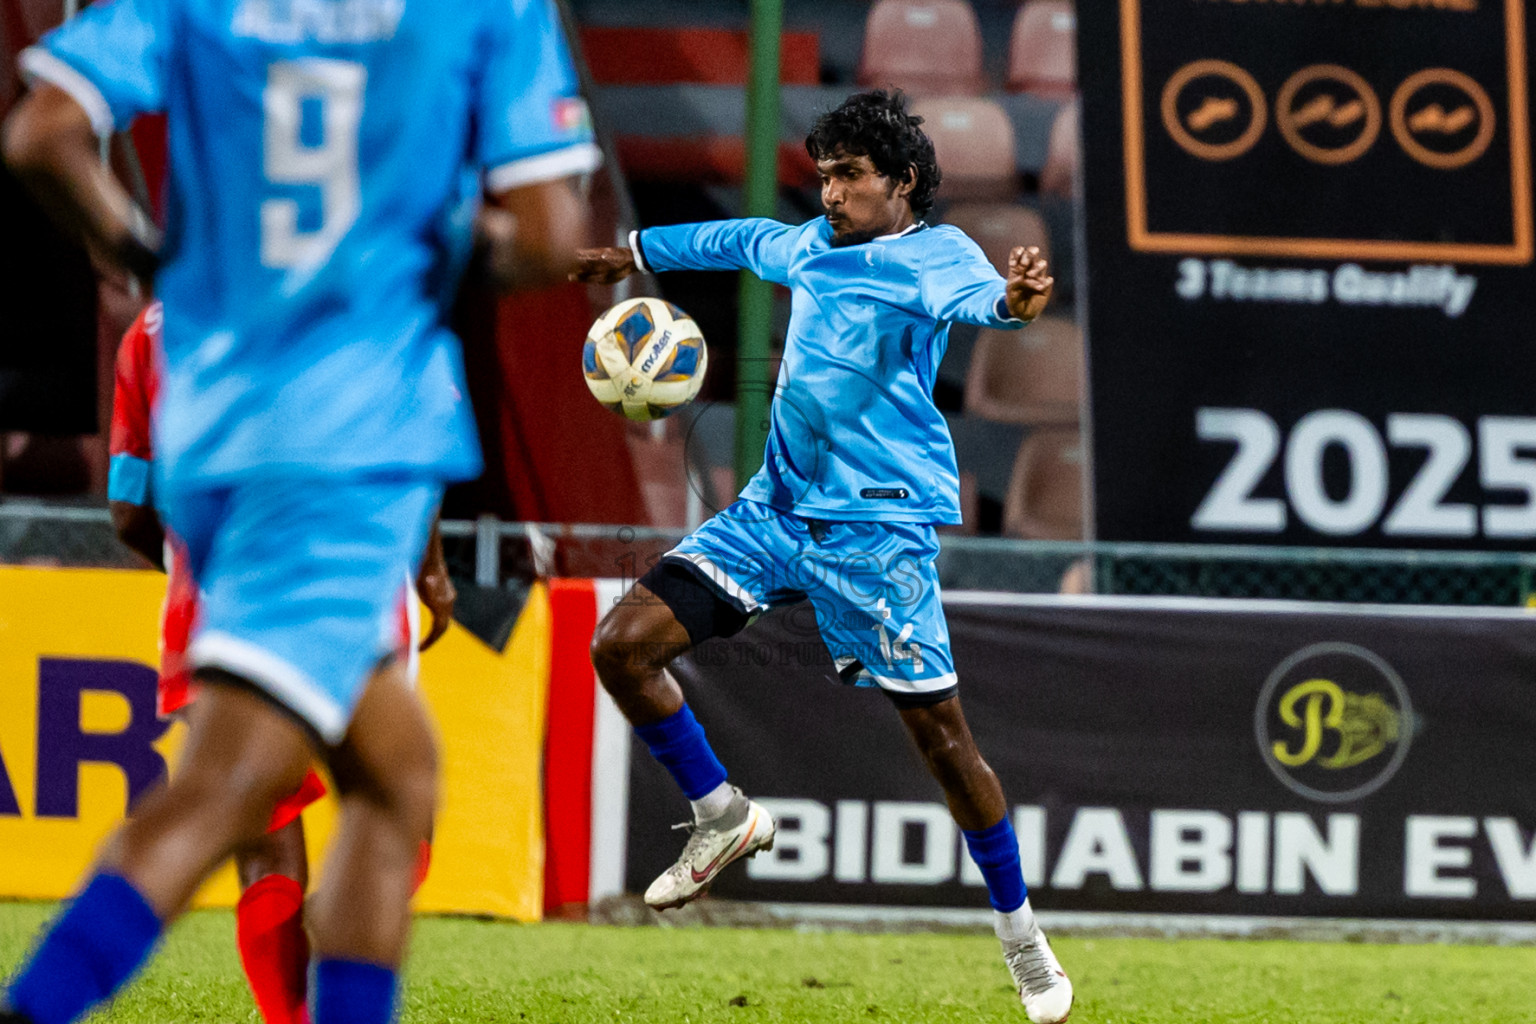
column 1030, row 967
column 697, row 838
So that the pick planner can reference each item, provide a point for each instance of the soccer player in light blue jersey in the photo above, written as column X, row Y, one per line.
column 858, row 470
column 312, row 408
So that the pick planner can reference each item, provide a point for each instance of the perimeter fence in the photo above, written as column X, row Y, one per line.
column 490, row 553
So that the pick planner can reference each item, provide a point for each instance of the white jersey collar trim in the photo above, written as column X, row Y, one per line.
column 901, row 234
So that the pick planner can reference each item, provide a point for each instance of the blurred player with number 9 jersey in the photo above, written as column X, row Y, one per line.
column 311, row 409
column 273, row 872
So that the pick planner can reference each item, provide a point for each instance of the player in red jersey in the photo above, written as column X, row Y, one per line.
column 274, row 871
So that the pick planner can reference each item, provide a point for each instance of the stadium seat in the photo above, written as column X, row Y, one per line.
column 1032, row 376
column 1042, row 56
column 1078, row 578
column 1059, row 175
column 660, row 55
column 922, row 46
column 974, row 141
column 1045, row 493
column 998, row 227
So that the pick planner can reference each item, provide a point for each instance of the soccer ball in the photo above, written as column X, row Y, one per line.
column 645, row 359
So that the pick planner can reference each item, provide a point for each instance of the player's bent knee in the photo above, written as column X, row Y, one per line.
column 946, row 755
column 625, row 648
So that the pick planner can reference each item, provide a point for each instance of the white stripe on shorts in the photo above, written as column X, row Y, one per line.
column 279, row 678
column 719, row 578
column 933, row 685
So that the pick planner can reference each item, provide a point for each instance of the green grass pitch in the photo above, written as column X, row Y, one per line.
column 479, row 972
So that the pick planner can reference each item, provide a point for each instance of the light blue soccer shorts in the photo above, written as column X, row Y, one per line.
column 874, row 586
column 300, row 581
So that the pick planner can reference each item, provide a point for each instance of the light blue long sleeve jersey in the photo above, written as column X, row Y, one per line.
column 854, row 434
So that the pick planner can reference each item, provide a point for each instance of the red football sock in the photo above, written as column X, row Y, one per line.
column 423, row 863
column 269, row 927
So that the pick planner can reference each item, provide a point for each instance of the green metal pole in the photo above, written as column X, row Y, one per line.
column 754, row 385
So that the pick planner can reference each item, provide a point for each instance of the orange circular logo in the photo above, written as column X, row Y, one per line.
column 1442, row 118
column 1328, row 114
column 1214, row 110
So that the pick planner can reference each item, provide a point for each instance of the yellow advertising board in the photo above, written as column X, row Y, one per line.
column 79, row 740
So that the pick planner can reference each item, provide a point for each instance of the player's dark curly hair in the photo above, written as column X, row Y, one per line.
column 877, row 125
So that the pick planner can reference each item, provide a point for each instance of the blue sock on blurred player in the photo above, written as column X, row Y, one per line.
column 90, row 952
column 678, row 743
column 353, row 992
column 996, row 852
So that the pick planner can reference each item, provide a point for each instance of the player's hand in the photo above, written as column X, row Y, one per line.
column 438, row 593
column 435, row 588
column 607, row 265
column 1029, row 282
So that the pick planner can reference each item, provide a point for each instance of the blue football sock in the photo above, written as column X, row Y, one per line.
column 678, row 743
column 91, row 950
column 352, row 992
column 996, row 852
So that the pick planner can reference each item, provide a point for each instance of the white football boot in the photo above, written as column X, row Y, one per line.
column 1043, row 986
column 706, row 854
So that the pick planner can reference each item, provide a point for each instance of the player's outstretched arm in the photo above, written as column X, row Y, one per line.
column 754, row 243
column 606, row 265
column 528, row 237
column 51, row 147
column 1029, row 282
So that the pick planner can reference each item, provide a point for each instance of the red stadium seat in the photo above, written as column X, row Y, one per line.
column 1045, row 494
column 974, row 141
column 715, row 56
column 922, row 46
column 1032, row 376
column 998, row 227
column 1059, row 175
column 1042, row 56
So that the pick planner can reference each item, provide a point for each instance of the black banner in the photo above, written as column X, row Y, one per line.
column 1310, row 281
column 1158, row 757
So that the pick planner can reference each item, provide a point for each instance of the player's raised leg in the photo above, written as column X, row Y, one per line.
column 976, row 801
column 666, row 613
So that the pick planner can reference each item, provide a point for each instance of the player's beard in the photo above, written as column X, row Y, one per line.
column 854, row 237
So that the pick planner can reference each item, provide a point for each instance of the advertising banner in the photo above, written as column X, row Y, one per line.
column 79, row 742
column 1164, row 756
column 1310, row 283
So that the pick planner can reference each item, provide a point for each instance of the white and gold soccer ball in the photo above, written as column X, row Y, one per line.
column 644, row 359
